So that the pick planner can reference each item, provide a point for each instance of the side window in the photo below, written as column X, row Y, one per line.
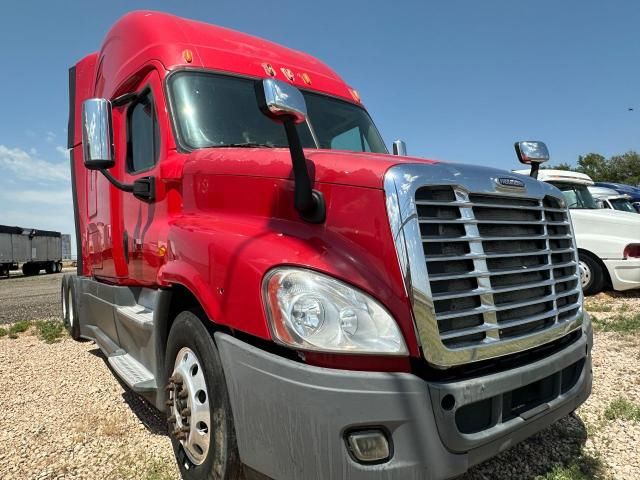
column 351, row 139
column 143, row 135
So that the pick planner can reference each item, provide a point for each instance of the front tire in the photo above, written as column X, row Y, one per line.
column 198, row 410
column 591, row 274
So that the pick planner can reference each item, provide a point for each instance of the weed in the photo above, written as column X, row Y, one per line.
column 50, row 330
column 599, row 307
column 622, row 409
column 619, row 324
column 623, row 308
column 18, row 327
column 584, row 467
column 3, row 332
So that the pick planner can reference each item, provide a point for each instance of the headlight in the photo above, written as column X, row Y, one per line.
column 312, row 311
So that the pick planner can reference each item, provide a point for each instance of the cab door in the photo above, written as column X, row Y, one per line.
column 143, row 120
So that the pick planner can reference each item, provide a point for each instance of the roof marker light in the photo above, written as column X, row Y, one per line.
column 288, row 74
column 187, row 55
column 268, row 69
column 355, row 94
column 306, row 78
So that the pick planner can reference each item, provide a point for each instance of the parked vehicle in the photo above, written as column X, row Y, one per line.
column 608, row 240
column 315, row 307
column 30, row 248
column 608, row 198
column 632, row 192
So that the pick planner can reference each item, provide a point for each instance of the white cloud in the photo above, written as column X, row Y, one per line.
column 27, row 167
column 50, row 137
column 63, row 151
column 49, row 197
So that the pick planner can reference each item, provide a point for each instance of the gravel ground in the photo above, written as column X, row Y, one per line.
column 39, row 295
column 67, row 417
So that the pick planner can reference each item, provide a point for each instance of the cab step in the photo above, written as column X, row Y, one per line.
column 133, row 373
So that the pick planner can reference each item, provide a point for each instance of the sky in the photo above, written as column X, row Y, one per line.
column 457, row 80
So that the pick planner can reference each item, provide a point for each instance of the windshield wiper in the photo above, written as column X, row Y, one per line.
column 247, row 145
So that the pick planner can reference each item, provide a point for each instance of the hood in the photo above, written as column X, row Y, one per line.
column 606, row 217
column 325, row 166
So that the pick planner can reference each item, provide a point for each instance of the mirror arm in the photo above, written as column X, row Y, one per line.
column 142, row 188
column 535, row 168
column 310, row 203
column 125, row 187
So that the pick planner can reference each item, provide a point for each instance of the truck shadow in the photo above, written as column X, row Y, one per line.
column 152, row 419
column 560, row 447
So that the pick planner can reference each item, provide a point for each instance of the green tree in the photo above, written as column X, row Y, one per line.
column 594, row 165
column 625, row 168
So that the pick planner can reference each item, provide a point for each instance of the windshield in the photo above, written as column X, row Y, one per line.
column 577, row 196
column 622, row 204
column 215, row 110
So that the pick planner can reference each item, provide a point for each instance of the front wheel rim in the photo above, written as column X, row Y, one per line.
column 189, row 406
column 585, row 274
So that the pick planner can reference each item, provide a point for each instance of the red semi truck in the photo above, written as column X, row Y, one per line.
column 299, row 302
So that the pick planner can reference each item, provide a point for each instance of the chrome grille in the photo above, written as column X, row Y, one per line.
column 499, row 266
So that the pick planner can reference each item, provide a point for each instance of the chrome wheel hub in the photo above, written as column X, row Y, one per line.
column 188, row 406
column 585, row 274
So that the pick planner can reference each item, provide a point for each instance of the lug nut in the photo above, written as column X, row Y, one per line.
column 186, row 412
column 171, row 419
column 169, row 403
column 183, row 393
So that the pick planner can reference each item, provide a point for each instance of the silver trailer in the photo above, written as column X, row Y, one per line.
column 30, row 248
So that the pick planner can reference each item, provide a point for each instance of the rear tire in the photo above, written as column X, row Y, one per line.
column 217, row 457
column 50, row 268
column 70, row 312
column 592, row 276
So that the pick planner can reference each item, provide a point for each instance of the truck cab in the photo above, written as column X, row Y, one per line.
column 299, row 302
column 608, row 240
column 608, row 198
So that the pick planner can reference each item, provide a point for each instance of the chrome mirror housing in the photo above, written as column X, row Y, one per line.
column 97, row 134
column 532, row 152
column 400, row 148
column 280, row 101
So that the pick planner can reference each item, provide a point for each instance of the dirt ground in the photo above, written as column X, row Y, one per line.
column 65, row 416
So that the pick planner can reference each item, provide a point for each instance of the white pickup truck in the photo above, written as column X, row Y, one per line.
column 608, row 240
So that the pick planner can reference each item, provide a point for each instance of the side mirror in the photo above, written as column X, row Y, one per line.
column 281, row 101
column 97, row 134
column 532, row 152
column 285, row 104
column 400, row 148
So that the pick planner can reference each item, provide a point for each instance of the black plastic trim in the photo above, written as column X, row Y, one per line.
column 71, row 125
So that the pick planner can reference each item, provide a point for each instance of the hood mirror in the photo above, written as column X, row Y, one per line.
column 532, row 153
column 97, row 134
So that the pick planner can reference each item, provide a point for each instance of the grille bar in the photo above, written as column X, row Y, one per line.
column 478, row 256
column 493, row 308
column 474, row 274
column 478, row 238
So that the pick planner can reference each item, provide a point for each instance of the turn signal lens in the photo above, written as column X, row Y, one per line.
column 632, row 251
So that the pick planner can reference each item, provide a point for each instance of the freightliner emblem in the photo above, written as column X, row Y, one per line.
column 510, row 182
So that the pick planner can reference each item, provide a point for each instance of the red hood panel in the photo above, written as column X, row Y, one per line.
column 325, row 166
